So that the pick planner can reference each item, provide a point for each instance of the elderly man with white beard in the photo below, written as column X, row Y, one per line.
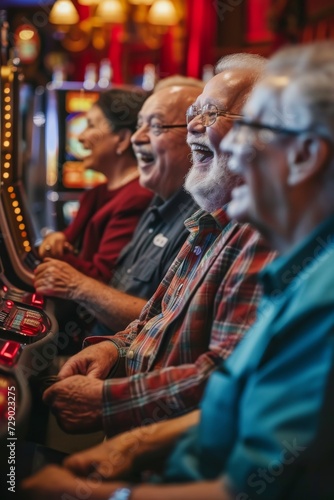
column 157, row 368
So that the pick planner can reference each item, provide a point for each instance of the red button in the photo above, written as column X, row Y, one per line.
column 37, row 299
column 9, row 351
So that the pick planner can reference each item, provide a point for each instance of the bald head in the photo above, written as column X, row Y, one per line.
column 178, row 99
column 178, row 80
column 231, row 88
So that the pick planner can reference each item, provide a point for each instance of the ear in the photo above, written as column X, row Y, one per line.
column 306, row 157
column 124, row 141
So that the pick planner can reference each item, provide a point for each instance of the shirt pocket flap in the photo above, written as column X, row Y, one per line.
column 144, row 270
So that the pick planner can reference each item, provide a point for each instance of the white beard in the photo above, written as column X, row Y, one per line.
column 211, row 189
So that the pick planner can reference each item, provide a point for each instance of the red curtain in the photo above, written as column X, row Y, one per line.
column 168, row 64
column 202, row 35
column 115, row 53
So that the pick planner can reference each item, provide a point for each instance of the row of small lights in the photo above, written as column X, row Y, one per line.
column 7, row 149
column 7, row 127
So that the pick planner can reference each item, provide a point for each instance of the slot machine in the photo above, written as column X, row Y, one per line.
column 28, row 328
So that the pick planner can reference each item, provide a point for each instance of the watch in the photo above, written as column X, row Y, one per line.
column 121, row 494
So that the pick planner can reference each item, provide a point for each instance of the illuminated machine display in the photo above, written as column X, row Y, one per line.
column 67, row 104
column 28, row 329
column 16, row 231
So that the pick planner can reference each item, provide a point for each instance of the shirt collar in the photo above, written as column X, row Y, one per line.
column 218, row 219
column 221, row 217
column 166, row 209
column 282, row 271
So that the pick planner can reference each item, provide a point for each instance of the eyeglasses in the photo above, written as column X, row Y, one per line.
column 157, row 128
column 239, row 124
column 208, row 114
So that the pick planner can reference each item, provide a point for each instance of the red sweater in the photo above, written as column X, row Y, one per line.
column 105, row 222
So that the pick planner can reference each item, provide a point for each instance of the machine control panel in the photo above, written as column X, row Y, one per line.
column 22, row 323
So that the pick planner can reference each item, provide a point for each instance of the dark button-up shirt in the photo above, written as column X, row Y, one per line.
column 158, row 238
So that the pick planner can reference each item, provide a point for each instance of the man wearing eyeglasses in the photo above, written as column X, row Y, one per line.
column 157, row 368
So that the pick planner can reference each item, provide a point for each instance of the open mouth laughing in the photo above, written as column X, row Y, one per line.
column 145, row 159
column 201, row 153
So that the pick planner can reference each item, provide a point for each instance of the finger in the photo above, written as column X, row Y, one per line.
column 71, row 367
column 68, row 246
column 79, row 464
column 45, row 285
column 50, row 394
column 58, row 249
column 43, row 265
column 68, row 371
column 93, row 371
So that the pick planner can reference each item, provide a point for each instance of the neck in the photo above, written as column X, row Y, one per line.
column 123, row 172
column 299, row 226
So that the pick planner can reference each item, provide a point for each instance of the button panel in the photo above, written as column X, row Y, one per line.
column 22, row 323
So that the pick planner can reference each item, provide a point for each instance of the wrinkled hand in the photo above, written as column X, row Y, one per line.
column 57, row 483
column 95, row 361
column 112, row 459
column 57, row 278
column 77, row 403
column 54, row 245
column 49, row 483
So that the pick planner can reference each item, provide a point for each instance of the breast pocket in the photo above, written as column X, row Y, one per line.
column 144, row 270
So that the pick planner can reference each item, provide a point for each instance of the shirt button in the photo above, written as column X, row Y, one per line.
column 150, row 231
column 129, row 270
column 197, row 250
column 130, row 355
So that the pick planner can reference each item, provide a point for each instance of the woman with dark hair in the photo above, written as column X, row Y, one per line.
column 108, row 213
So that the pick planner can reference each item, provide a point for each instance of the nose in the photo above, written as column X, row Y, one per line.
column 195, row 125
column 240, row 152
column 140, row 135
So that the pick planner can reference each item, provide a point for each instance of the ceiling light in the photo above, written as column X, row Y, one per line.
column 111, row 11
column 163, row 13
column 141, row 2
column 88, row 2
column 64, row 13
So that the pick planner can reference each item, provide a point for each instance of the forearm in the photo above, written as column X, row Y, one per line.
column 156, row 440
column 210, row 490
column 214, row 490
column 111, row 307
column 55, row 483
column 127, row 454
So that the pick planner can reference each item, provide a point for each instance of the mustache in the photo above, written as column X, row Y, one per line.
column 199, row 141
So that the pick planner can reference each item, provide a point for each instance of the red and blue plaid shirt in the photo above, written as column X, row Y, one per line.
column 198, row 314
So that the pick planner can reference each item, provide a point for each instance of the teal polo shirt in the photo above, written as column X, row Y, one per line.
column 261, row 411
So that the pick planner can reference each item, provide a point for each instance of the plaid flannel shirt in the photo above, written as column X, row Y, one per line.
column 198, row 314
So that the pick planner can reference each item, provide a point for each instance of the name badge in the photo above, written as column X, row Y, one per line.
column 160, row 240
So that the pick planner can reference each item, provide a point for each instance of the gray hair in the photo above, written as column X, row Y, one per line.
column 307, row 97
column 241, row 61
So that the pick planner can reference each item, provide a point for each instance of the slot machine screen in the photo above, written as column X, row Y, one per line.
column 74, row 176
